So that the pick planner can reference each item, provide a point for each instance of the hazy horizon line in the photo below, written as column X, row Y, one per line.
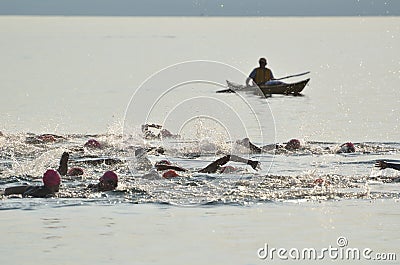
column 202, row 8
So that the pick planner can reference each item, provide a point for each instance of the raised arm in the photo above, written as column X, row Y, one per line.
column 63, row 167
column 161, row 167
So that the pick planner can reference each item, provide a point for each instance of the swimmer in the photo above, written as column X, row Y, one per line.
column 346, row 148
column 292, row 145
column 91, row 160
column 383, row 165
column 164, row 133
column 93, row 143
column 214, row 167
column 63, row 168
column 108, row 182
column 43, row 139
column 217, row 164
column 143, row 163
column 51, row 180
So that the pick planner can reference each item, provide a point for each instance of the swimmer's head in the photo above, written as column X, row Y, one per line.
column 92, row 143
column 163, row 162
column 347, row 148
column 170, row 174
column 47, row 138
column 245, row 141
column 227, row 169
column 108, row 181
column 75, row 171
column 51, row 178
column 293, row 144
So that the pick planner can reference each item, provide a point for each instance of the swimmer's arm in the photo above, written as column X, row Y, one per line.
column 166, row 167
column 15, row 190
column 63, row 167
column 269, row 147
column 254, row 148
column 214, row 166
column 383, row 164
column 394, row 166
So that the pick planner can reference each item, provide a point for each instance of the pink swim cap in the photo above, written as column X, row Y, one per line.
column 170, row 174
column 351, row 147
column 293, row 144
column 92, row 143
column 109, row 175
column 51, row 178
column 227, row 169
column 47, row 138
column 348, row 147
column 75, row 171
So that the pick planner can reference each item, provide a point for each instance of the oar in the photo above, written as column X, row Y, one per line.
column 292, row 76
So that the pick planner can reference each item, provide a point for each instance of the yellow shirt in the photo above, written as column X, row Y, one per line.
column 261, row 75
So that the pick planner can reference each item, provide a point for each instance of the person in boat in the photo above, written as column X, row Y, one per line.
column 51, row 180
column 383, row 165
column 292, row 145
column 260, row 75
column 215, row 167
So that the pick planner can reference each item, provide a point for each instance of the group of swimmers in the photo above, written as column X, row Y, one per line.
column 52, row 180
column 109, row 180
column 292, row 145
